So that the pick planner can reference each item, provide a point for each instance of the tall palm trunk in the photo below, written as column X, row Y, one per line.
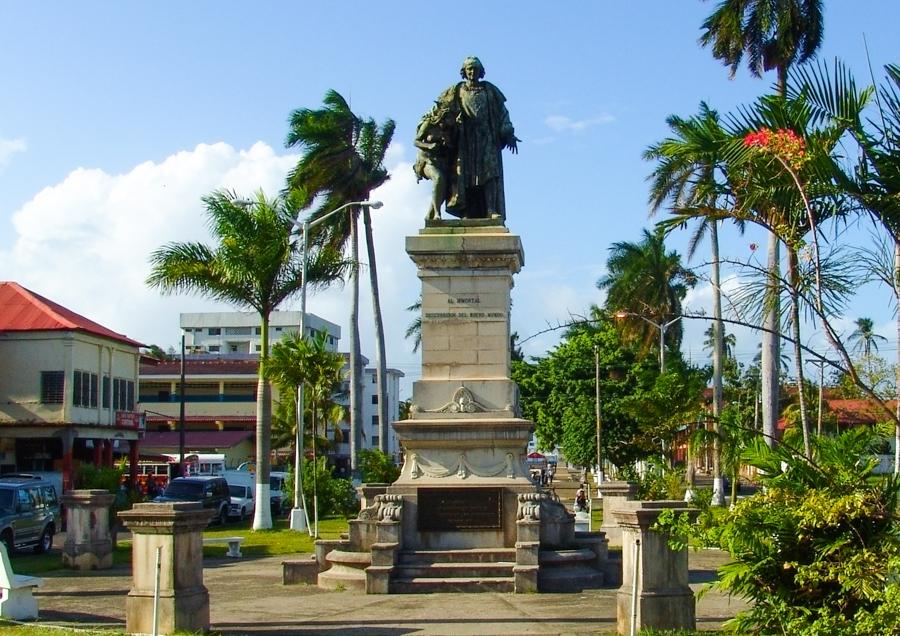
column 262, row 516
column 718, row 494
column 794, row 280
column 897, row 378
column 771, row 345
column 381, row 364
column 355, row 354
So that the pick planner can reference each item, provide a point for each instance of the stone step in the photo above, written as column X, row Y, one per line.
column 569, row 579
column 566, row 558
column 434, row 585
column 475, row 555
column 454, row 570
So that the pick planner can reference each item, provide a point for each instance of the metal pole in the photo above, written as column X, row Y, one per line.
column 597, row 411
column 156, row 591
column 181, row 393
column 662, row 347
column 299, row 516
column 636, row 560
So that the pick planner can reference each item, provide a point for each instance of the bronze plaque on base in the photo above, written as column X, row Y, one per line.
column 449, row 509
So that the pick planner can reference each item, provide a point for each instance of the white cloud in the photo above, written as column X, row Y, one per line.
column 561, row 123
column 85, row 242
column 9, row 147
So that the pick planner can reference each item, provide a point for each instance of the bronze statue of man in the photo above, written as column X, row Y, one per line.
column 460, row 142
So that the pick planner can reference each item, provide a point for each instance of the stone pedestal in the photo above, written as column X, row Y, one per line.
column 664, row 600
column 615, row 495
column 464, row 430
column 88, row 543
column 175, row 528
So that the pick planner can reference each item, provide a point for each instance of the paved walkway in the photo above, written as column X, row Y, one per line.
column 247, row 597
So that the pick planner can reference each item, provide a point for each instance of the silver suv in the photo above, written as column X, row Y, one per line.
column 29, row 512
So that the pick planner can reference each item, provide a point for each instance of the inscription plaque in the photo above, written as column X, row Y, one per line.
column 459, row 509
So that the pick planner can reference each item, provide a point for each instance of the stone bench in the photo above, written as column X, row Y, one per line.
column 234, row 545
column 296, row 571
column 17, row 603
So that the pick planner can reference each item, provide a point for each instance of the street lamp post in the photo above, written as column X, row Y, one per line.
column 662, row 333
column 597, row 411
column 299, row 517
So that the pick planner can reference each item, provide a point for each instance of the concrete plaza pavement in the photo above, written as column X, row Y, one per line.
column 247, row 597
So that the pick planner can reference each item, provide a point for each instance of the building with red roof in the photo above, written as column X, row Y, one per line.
column 67, row 387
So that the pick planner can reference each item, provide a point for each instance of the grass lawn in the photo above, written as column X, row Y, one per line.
column 279, row 540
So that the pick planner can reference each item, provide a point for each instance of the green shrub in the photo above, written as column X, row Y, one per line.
column 377, row 467
column 336, row 496
column 817, row 552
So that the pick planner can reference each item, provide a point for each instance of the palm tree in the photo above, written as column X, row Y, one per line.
column 729, row 341
column 774, row 34
column 414, row 329
column 253, row 265
column 689, row 175
column 865, row 337
column 644, row 279
column 875, row 181
column 297, row 362
column 342, row 162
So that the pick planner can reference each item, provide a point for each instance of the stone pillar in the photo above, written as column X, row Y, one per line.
column 664, row 600
column 175, row 528
column 88, row 543
column 615, row 494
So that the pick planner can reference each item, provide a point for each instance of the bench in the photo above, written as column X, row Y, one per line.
column 17, row 601
column 234, row 545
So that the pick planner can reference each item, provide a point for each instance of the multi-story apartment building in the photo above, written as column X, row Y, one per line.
column 67, row 388
column 234, row 332
column 220, row 396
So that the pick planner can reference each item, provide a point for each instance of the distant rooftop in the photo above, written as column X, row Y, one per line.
column 22, row 310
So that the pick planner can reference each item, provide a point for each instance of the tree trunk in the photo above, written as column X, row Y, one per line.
column 897, row 378
column 718, row 498
column 794, row 278
column 355, row 353
column 262, row 516
column 381, row 364
column 771, row 349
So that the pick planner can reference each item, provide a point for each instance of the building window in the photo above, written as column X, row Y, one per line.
column 257, row 331
column 104, row 393
column 233, row 348
column 374, row 378
column 258, row 348
column 214, row 331
column 123, row 394
column 374, row 421
column 375, row 399
column 85, row 389
column 53, row 385
column 374, row 441
column 214, row 348
column 237, row 331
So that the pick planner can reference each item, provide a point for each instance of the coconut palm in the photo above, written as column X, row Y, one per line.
column 773, row 34
column 644, row 279
column 253, row 265
column 689, row 176
column 865, row 337
column 342, row 162
column 297, row 362
column 729, row 341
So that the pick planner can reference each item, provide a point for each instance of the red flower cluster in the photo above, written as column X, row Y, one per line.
column 784, row 143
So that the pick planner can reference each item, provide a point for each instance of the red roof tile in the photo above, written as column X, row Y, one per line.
column 23, row 310
column 216, row 366
column 195, row 440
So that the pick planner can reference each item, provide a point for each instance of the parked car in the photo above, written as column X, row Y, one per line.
column 280, row 500
column 241, row 501
column 212, row 492
column 29, row 512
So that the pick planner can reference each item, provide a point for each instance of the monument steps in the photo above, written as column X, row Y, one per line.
column 569, row 570
column 471, row 570
column 466, row 585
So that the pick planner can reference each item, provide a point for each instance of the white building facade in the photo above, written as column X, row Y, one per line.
column 238, row 332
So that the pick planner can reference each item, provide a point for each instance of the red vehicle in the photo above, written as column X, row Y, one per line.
column 158, row 469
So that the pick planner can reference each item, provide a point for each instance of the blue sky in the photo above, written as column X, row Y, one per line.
column 115, row 118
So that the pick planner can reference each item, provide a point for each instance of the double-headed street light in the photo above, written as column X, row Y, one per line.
column 662, row 333
column 299, row 517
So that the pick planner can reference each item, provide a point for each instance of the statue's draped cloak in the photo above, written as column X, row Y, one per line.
column 484, row 129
